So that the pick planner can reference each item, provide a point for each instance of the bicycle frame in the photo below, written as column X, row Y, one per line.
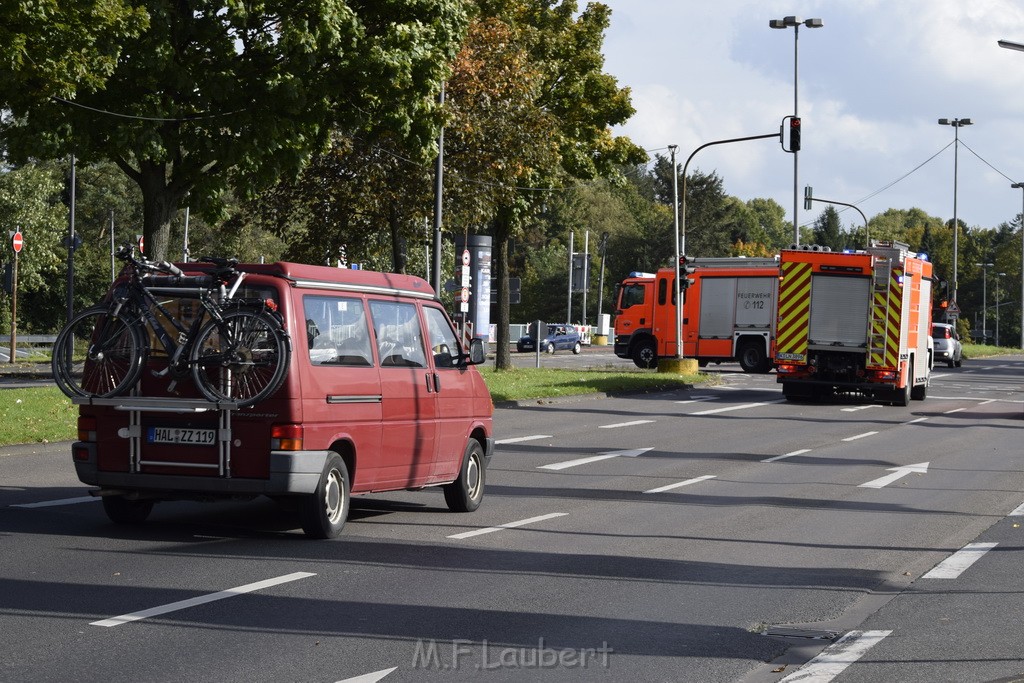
column 142, row 297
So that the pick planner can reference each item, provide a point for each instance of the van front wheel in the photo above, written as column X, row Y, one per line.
column 323, row 513
column 465, row 493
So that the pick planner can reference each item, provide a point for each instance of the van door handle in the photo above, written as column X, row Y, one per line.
column 430, row 383
column 437, row 383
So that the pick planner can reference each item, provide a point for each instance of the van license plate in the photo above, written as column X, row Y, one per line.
column 181, row 435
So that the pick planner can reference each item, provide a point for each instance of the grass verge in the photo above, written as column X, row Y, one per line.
column 36, row 415
column 529, row 383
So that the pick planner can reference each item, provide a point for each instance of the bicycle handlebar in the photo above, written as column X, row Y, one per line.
column 224, row 267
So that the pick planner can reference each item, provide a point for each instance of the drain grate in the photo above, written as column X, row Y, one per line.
column 808, row 633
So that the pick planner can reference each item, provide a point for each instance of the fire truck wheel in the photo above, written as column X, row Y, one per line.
column 323, row 513
column 753, row 358
column 120, row 510
column 901, row 397
column 644, row 354
column 465, row 493
column 920, row 392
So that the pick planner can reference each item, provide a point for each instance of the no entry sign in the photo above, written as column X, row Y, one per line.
column 17, row 241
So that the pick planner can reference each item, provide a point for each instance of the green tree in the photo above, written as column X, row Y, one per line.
column 828, row 231
column 210, row 97
column 579, row 102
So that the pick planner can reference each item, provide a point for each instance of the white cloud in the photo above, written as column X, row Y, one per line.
column 872, row 82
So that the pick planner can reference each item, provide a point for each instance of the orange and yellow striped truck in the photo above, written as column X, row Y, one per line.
column 854, row 321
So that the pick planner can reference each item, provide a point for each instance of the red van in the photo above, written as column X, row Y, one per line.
column 380, row 395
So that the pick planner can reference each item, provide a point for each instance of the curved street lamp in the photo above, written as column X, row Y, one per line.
column 796, row 23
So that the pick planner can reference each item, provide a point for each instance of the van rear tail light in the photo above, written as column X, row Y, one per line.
column 87, row 429
column 286, row 437
column 80, row 454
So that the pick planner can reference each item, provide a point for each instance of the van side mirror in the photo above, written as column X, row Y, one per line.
column 476, row 352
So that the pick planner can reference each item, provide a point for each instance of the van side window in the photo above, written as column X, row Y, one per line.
column 337, row 332
column 399, row 337
column 444, row 344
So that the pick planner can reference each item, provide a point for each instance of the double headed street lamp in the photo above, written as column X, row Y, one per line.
column 984, row 299
column 957, row 124
column 998, row 275
column 1020, row 186
column 796, row 23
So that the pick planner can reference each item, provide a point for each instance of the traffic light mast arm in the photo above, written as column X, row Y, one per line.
column 807, row 205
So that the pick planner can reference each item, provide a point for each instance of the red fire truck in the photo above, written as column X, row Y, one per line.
column 728, row 313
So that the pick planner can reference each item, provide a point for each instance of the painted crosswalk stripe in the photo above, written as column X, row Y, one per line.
column 510, row 525
column 859, row 436
column 726, row 409
column 957, row 563
column 834, row 659
column 630, row 453
column 202, row 599
column 61, row 501
column 788, row 455
column 915, row 420
column 662, row 489
column 520, row 439
column 857, row 408
column 625, row 424
column 955, row 410
column 1018, row 511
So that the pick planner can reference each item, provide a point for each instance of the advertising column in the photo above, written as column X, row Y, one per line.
column 479, row 308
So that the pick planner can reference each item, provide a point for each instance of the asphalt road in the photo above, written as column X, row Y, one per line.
column 716, row 534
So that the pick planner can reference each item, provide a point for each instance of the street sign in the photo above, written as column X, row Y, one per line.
column 16, row 241
column 141, row 242
column 465, row 257
column 465, row 294
column 953, row 308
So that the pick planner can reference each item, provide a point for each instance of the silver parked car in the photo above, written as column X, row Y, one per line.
column 948, row 348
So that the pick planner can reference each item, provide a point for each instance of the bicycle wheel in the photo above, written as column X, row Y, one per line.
column 243, row 358
column 98, row 354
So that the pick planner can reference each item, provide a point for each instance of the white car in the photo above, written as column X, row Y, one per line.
column 948, row 348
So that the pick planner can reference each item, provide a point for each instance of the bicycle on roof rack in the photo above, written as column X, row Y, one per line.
column 236, row 350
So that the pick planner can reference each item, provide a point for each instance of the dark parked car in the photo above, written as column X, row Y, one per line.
column 558, row 337
column 948, row 348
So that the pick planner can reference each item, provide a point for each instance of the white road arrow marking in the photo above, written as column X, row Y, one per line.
column 370, row 678
column 594, row 458
column 897, row 473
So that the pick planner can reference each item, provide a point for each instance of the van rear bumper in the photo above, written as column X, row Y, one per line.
column 291, row 473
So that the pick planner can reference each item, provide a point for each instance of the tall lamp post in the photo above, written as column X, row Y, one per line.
column 796, row 23
column 1020, row 186
column 998, row 275
column 1010, row 45
column 957, row 124
column 984, row 299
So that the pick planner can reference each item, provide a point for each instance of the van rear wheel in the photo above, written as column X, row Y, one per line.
column 323, row 513
column 465, row 493
column 121, row 510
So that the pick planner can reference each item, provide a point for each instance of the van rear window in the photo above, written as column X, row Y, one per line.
column 337, row 332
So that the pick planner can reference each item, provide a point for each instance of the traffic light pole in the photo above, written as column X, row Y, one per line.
column 681, row 235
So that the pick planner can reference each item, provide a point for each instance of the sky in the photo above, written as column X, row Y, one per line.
column 872, row 84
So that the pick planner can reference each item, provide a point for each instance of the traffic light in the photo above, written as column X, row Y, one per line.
column 794, row 134
column 686, row 269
